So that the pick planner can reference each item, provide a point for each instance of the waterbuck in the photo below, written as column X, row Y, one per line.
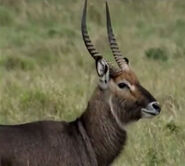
column 97, row 137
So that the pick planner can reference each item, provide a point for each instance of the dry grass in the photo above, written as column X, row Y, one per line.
column 46, row 72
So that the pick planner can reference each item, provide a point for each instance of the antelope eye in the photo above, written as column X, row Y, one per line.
column 122, row 85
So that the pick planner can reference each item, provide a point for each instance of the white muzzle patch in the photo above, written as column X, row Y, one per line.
column 151, row 110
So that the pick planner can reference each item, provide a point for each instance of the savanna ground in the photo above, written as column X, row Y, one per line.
column 46, row 72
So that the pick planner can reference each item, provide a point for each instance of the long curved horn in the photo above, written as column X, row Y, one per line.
column 89, row 45
column 121, row 61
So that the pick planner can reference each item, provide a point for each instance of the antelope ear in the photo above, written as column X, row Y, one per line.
column 102, row 68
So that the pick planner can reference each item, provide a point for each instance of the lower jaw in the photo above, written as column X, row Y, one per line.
column 148, row 115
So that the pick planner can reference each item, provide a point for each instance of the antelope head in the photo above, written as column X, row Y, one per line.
column 127, row 98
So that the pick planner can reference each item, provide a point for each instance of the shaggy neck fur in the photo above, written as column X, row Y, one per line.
column 103, row 129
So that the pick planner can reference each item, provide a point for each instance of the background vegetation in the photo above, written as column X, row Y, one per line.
column 46, row 72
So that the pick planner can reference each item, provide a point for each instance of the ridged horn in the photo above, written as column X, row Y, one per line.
column 121, row 61
column 89, row 45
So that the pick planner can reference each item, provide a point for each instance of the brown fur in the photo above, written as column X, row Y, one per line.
column 94, row 139
column 52, row 143
column 128, row 75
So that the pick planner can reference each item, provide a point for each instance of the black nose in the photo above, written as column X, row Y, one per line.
column 156, row 106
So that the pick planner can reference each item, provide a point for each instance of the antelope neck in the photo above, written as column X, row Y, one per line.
column 88, row 144
column 104, row 132
column 113, row 112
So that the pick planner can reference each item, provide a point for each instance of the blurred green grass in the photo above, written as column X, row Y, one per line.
column 46, row 72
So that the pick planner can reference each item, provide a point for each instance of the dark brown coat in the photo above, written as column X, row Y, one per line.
column 99, row 135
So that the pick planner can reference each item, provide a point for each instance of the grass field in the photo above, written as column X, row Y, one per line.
column 46, row 72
